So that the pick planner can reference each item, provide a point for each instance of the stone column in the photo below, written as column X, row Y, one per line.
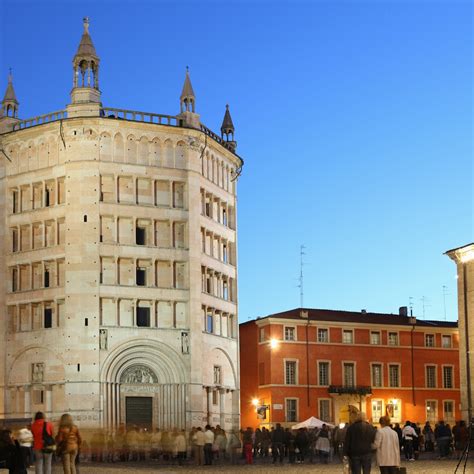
column 209, row 405
column 222, row 392
column 27, row 406
column 49, row 399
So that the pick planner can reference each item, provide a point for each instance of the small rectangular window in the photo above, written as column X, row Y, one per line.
column 349, row 374
column 291, row 410
column 86, row 322
column 325, row 410
column 323, row 373
column 431, row 376
column 393, row 339
column 376, row 375
column 85, row 218
column 209, row 323
column 375, row 338
column 323, row 335
column 46, row 278
column 141, row 276
column 14, row 240
column 15, row 202
column 14, row 279
column 429, row 340
column 48, row 318
column 262, row 334
column 447, row 377
column 290, row 334
column 47, row 197
column 394, row 375
column 446, row 341
column 347, row 336
column 290, row 372
column 140, row 236
column 143, row 317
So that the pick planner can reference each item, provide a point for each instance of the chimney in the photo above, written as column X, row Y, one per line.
column 403, row 311
column 363, row 311
column 304, row 314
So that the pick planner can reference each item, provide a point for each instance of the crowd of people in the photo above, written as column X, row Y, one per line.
column 352, row 444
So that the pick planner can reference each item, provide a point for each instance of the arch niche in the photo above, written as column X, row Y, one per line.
column 144, row 383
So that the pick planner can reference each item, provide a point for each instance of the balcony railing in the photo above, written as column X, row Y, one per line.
column 40, row 119
column 350, row 389
column 137, row 116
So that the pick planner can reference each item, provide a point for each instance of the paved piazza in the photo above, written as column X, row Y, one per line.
column 418, row 467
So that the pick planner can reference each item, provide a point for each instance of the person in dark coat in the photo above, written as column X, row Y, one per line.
column 278, row 443
column 358, row 445
column 11, row 455
column 301, row 441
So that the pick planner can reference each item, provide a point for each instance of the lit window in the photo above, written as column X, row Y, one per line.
column 323, row 335
column 347, row 336
column 448, row 408
column 432, row 411
column 375, row 338
column 429, row 340
column 290, row 334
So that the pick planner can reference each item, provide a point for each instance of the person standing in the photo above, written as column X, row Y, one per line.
column 198, row 440
column 69, row 442
column 358, row 445
column 388, row 448
column 247, row 441
column 443, row 437
column 25, row 439
column 461, row 437
column 11, row 455
column 208, row 442
column 42, row 459
column 408, row 434
column 278, row 443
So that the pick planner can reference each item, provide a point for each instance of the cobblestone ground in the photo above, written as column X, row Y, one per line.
column 417, row 467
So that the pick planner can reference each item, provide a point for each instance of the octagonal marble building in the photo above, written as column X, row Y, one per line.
column 119, row 262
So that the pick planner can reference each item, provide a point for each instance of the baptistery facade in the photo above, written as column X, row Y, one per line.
column 119, row 262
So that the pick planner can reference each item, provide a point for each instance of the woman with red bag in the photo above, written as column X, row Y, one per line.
column 42, row 430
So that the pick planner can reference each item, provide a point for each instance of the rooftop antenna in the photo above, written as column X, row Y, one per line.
column 445, row 293
column 300, row 285
column 424, row 301
column 410, row 304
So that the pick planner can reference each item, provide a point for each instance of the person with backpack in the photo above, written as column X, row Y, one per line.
column 43, row 443
column 69, row 442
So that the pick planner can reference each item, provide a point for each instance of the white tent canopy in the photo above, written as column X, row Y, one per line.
column 311, row 422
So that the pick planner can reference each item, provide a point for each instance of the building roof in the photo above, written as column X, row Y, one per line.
column 354, row 317
column 227, row 123
column 86, row 47
column 187, row 87
column 10, row 95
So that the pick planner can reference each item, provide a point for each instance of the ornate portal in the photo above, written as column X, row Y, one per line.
column 138, row 374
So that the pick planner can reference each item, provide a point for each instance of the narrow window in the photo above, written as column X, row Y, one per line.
column 86, row 322
column 46, row 278
column 349, row 375
column 141, row 276
column 46, row 197
column 78, row 367
column 209, row 323
column 140, row 236
column 85, row 218
column 15, row 202
column 48, row 318
column 143, row 317
column 14, row 240
column 290, row 372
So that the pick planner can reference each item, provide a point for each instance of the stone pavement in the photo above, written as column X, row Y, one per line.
column 417, row 467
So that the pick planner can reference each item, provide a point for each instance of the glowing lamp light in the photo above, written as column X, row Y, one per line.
column 341, row 425
column 255, row 402
column 273, row 343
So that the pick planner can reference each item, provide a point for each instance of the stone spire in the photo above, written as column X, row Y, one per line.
column 187, row 99
column 85, row 86
column 227, row 129
column 10, row 103
column 188, row 116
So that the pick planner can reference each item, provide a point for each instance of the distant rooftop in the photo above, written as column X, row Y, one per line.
column 354, row 317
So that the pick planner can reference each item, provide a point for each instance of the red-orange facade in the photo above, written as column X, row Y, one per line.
column 325, row 363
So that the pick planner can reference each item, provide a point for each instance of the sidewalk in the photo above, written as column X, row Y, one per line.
column 418, row 467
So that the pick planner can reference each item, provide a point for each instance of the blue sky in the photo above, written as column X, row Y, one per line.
column 354, row 119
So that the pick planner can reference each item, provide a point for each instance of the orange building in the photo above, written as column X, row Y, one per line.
column 325, row 363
